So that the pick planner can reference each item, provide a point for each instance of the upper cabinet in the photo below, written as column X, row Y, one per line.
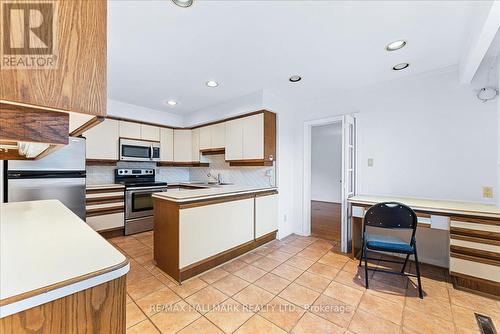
column 133, row 130
column 102, row 141
column 73, row 75
column 183, row 150
column 130, row 130
column 234, row 139
column 166, row 145
column 212, row 136
column 195, row 145
column 150, row 132
column 251, row 140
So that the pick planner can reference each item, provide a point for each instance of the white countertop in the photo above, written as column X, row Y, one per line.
column 451, row 207
column 211, row 192
column 45, row 246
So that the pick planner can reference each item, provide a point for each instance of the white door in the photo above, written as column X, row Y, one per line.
column 348, row 175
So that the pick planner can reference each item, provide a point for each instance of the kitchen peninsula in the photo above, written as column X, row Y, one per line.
column 195, row 230
column 56, row 273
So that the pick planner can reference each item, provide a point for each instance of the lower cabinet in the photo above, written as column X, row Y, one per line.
column 105, row 209
column 266, row 213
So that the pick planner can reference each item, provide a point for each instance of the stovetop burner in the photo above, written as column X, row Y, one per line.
column 137, row 178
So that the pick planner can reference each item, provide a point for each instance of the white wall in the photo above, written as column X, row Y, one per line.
column 429, row 137
column 133, row 112
column 326, row 163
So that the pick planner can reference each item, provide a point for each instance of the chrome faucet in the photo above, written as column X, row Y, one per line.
column 217, row 179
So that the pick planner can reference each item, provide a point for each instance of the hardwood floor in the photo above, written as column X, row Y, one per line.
column 326, row 220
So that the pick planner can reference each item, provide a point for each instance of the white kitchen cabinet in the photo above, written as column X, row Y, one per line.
column 195, row 144
column 150, row 132
column 218, row 135
column 266, row 214
column 102, row 140
column 253, row 137
column 205, row 134
column 212, row 136
column 130, row 130
column 183, row 149
column 234, row 139
column 166, row 144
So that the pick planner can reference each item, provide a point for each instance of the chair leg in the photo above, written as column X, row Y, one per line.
column 404, row 265
column 366, row 266
column 361, row 256
column 417, row 266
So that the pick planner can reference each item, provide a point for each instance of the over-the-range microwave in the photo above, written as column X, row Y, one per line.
column 139, row 150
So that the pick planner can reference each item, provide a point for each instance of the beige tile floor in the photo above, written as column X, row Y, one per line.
column 296, row 285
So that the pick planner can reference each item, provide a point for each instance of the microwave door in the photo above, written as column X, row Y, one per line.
column 135, row 152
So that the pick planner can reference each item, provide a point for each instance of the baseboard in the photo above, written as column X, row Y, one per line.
column 218, row 259
column 475, row 285
column 112, row 232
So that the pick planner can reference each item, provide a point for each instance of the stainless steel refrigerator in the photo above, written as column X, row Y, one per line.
column 59, row 175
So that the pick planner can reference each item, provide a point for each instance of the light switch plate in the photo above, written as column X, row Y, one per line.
column 370, row 162
column 488, row 192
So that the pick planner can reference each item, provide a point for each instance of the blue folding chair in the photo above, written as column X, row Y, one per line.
column 393, row 216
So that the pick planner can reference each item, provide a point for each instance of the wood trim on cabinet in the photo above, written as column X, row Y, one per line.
column 475, row 239
column 141, row 122
column 474, row 284
column 182, row 164
column 86, row 126
column 266, row 193
column 100, row 162
column 213, row 151
column 229, row 119
column 166, row 234
column 104, row 190
column 33, row 125
column 99, row 309
column 484, row 221
column 475, row 259
column 204, row 202
column 64, row 283
column 475, row 252
column 269, row 136
column 475, row 233
column 250, row 163
column 104, row 200
column 217, row 259
column 139, row 139
column 112, row 232
column 105, row 211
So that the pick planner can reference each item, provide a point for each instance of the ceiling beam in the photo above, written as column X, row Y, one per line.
column 479, row 44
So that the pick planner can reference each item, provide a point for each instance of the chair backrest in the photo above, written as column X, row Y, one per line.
column 391, row 215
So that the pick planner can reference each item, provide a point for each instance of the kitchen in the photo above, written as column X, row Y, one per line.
column 140, row 195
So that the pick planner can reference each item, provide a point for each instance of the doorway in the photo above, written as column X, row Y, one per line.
column 327, row 214
column 326, row 181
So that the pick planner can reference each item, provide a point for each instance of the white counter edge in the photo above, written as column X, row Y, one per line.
column 165, row 196
column 64, row 291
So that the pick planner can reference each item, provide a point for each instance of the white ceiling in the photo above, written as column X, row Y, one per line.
column 157, row 51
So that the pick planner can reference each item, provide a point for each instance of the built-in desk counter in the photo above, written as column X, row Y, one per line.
column 195, row 230
column 472, row 233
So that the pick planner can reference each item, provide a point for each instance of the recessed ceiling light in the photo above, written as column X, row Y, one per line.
column 396, row 45
column 295, row 78
column 400, row 67
column 172, row 103
column 183, row 3
column 211, row 83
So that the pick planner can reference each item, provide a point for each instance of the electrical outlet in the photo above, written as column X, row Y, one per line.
column 284, row 217
column 269, row 172
column 370, row 162
column 488, row 192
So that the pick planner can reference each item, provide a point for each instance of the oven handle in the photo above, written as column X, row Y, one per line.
column 146, row 190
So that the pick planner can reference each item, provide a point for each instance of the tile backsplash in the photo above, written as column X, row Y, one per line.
column 252, row 176
column 249, row 176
